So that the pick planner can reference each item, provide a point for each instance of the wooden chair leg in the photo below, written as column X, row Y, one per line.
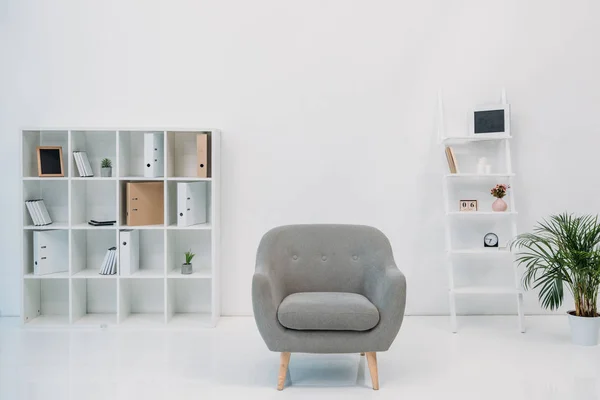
column 372, row 361
column 283, row 368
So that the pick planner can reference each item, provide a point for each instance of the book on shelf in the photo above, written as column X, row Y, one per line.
column 109, row 264
column 93, row 222
column 38, row 212
column 83, row 164
column 451, row 158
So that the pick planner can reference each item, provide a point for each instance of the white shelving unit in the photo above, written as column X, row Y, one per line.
column 158, row 294
column 465, row 230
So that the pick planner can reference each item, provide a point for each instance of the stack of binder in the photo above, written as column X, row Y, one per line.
column 50, row 252
column 109, row 264
column 38, row 212
column 83, row 164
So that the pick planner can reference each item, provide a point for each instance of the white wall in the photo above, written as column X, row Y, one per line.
column 327, row 109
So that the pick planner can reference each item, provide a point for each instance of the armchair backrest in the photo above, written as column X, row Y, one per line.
column 323, row 258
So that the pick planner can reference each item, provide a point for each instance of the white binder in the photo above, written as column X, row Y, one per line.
column 129, row 251
column 191, row 203
column 154, row 163
column 50, row 252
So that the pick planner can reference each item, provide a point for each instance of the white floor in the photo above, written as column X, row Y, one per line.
column 487, row 359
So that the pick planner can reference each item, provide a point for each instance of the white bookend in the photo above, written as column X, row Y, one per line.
column 129, row 251
column 50, row 252
column 153, row 155
column 45, row 214
column 191, row 203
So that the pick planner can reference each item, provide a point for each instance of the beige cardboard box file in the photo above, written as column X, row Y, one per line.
column 203, row 155
column 145, row 203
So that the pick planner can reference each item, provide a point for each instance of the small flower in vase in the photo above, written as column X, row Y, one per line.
column 499, row 191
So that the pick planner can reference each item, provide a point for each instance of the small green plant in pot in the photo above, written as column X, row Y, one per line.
column 564, row 251
column 106, row 168
column 186, row 268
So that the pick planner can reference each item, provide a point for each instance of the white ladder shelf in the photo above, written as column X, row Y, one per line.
column 453, row 215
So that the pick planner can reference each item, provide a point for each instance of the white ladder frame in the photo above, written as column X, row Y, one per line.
column 447, row 225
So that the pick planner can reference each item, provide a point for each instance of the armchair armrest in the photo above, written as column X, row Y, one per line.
column 267, row 294
column 386, row 289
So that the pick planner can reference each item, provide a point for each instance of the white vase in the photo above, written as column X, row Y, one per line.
column 584, row 330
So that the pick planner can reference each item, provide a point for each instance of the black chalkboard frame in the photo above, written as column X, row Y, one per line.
column 40, row 149
column 504, row 108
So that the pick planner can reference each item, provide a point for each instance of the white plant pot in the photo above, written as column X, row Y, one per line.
column 584, row 330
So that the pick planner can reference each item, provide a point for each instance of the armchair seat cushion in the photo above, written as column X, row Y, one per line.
column 327, row 311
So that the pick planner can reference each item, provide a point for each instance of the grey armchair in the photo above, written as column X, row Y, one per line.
column 327, row 289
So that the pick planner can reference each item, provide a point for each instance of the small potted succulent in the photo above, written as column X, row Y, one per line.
column 106, row 168
column 186, row 268
column 499, row 191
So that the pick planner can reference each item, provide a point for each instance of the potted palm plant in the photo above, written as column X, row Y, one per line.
column 564, row 251
column 186, row 268
column 106, row 168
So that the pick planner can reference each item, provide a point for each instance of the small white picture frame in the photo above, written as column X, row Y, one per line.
column 492, row 119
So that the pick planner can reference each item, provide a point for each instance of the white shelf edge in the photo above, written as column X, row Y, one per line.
column 469, row 139
column 486, row 290
column 55, row 225
column 198, row 227
column 474, row 175
column 91, row 274
column 482, row 213
column 140, row 178
column 56, row 275
column 176, row 274
column 85, row 226
column 494, row 251
column 188, row 178
column 42, row 178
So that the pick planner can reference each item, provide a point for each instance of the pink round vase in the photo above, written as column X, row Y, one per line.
column 499, row 205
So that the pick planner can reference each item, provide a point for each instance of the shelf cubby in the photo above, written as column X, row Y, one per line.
column 188, row 302
column 98, row 145
column 56, row 199
column 94, row 301
column 131, row 154
column 151, row 255
column 46, row 302
column 180, row 241
column 93, row 199
column 34, row 138
column 156, row 294
column 88, row 248
column 28, row 259
column 171, row 220
column 141, row 301
column 182, row 157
